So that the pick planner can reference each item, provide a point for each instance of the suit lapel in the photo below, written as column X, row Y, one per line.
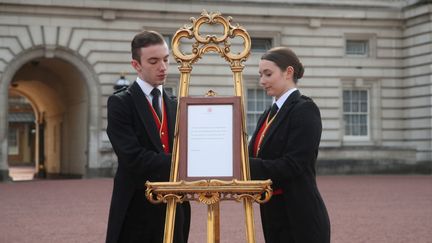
column 261, row 120
column 281, row 116
column 144, row 111
column 171, row 110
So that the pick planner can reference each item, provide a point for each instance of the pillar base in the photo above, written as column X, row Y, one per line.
column 99, row 172
column 347, row 167
column 4, row 176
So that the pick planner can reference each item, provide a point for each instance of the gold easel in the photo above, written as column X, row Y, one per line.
column 211, row 191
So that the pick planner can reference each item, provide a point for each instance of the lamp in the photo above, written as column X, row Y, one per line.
column 122, row 82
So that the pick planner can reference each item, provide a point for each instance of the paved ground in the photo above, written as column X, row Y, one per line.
column 362, row 209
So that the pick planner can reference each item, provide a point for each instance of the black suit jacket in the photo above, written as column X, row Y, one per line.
column 288, row 156
column 136, row 142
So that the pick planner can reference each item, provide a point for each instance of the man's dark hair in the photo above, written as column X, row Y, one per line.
column 145, row 39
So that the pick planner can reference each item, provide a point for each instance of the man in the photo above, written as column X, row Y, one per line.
column 141, row 122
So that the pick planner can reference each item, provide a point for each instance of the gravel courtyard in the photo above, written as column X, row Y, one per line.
column 362, row 209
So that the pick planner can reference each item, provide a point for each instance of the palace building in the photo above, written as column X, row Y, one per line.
column 368, row 66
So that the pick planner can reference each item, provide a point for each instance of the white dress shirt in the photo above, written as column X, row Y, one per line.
column 147, row 88
column 283, row 98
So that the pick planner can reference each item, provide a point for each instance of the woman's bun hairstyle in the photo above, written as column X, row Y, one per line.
column 284, row 57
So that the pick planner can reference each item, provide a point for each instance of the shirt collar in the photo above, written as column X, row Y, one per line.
column 146, row 87
column 284, row 97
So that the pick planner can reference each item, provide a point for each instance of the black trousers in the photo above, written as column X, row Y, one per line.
column 275, row 223
column 145, row 222
column 282, row 224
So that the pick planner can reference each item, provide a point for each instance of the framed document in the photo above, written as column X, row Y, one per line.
column 210, row 132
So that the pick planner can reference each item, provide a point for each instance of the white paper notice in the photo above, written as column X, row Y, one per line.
column 210, row 141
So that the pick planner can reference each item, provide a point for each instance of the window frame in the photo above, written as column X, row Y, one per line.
column 255, row 112
column 261, row 50
column 168, row 39
column 13, row 149
column 368, row 122
column 374, row 111
column 274, row 36
column 364, row 54
column 369, row 38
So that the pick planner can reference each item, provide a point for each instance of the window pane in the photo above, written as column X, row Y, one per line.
column 251, row 94
column 250, row 122
column 346, row 107
column 346, row 118
column 363, row 130
column 168, row 39
column 260, row 106
column 355, row 95
column 356, row 120
column 356, row 47
column 363, row 95
column 268, row 100
column 347, row 130
column 13, row 141
column 355, row 108
column 261, row 44
column 259, row 95
column 257, row 101
column 363, row 119
column 250, row 119
column 251, row 105
column 346, row 95
column 356, row 130
column 363, row 107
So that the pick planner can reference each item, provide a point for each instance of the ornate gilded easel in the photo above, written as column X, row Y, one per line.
column 210, row 191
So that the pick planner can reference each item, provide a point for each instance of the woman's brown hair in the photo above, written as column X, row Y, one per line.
column 284, row 57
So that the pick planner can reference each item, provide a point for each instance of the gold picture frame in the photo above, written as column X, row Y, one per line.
column 207, row 123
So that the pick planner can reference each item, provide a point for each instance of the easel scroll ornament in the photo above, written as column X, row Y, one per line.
column 210, row 191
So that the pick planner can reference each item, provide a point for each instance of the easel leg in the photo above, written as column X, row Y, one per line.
column 213, row 234
column 170, row 221
column 217, row 222
column 250, row 226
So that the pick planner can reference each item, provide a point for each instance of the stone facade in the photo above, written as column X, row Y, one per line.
column 65, row 56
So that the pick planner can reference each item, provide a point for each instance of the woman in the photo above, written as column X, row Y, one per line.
column 284, row 148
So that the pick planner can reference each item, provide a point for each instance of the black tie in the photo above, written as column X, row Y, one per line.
column 273, row 111
column 155, row 102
